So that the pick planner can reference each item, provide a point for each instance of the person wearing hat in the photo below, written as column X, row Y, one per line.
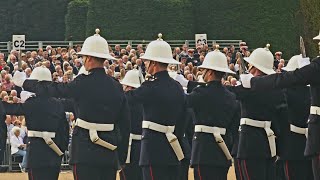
column 294, row 131
column 307, row 73
column 191, row 58
column 163, row 124
column 261, row 114
column 48, row 129
column 100, row 137
column 132, row 170
column 216, row 112
column 276, row 62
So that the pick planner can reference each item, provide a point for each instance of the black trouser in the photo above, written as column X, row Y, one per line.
column 280, row 173
column 184, row 169
column 207, row 172
column 47, row 173
column 152, row 172
column 297, row 169
column 131, row 172
column 316, row 167
column 93, row 172
column 258, row 169
column 237, row 169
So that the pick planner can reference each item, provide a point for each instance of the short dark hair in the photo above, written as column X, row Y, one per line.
column 163, row 65
column 219, row 74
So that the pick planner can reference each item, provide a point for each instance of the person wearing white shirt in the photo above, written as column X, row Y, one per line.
column 18, row 147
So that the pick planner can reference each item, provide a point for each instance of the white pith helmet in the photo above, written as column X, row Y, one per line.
column 159, row 51
column 262, row 59
column 216, row 60
column 133, row 79
column 293, row 63
column 96, row 46
column 41, row 74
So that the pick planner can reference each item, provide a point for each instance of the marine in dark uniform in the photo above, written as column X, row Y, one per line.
column 186, row 142
column 292, row 163
column 215, row 110
column 301, row 77
column 293, row 135
column 261, row 114
column 101, row 133
column 43, row 114
column 132, row 170
column 163, row 103
column 235, row 143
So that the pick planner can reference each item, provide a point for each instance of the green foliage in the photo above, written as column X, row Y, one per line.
column 76, row 20
column 141, row 19
column 256, row 22
column 37, row 19
column 311, row 25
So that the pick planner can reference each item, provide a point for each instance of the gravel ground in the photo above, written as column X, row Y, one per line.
column 68, row 175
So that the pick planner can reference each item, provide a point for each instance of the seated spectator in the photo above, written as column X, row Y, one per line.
column 9, row 125
column 3, row 94
column 13, row 93
column 128, row 66
column 7, row 84
column 5, row 98
column 18, row 147
column 18, row 123
column 28, row 72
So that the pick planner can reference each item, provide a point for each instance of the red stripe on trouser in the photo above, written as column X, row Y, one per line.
column 31, row 174
column 287, row 171
column 199, row 173
column 151, row 174
column 239, row 167
column 245, row 168
column 75, row 172
column 123, row 175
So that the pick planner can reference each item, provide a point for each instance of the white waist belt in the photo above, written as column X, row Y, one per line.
column 132, row 137
column 315, row 110
column 93, row 128
column 266, row 125
column 168, row 131
column 217, row 132
column 299, row 130
column 46, row 136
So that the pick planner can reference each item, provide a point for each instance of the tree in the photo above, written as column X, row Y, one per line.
column 76, row 20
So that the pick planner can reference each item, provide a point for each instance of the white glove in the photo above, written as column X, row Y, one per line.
column 303, row 62
column 183, row 81
column 26, row 95
column 245, row 79
column 19, row 78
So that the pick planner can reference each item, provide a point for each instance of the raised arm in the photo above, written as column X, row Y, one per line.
column 306, row 75
column 14, row 109
column 67, row 90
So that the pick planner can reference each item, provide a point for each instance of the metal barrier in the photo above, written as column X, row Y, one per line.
column 6, row 47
